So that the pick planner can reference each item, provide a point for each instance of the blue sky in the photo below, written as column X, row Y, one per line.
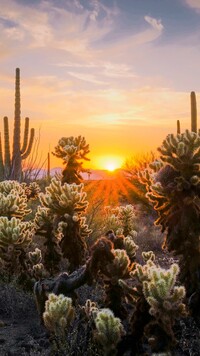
column 118, row 72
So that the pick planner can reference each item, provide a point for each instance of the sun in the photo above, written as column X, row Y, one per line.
column 109, row 163
column 111, row 166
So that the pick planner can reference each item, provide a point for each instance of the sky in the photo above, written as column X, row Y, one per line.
column 118, row 72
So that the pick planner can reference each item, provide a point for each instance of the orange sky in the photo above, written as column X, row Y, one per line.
column 118, row 73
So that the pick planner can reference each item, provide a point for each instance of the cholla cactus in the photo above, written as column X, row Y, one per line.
column 120, row 220
column 37, row 267
column 121, row 265
column 109, row 331
column 65, row 199
column 13, row 200
column 120, row 268
column 130, row 247
column 90, row 309
column 165, row 299
column 32, row 190
column 15, row 237
column 175, row 193
column 66, row 204
column 35, row 257
column 166, row 302
column 59, row 314
column 44, row 223
column 72, row 150
column 154, row 292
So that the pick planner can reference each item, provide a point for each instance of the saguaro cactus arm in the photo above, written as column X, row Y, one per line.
column 1, row 162
column 178, row 127
column 193, row 112
column 26, row 129
column 7, row 159
column 30, row 145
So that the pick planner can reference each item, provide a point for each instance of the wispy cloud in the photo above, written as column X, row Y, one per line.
column 156, row 24
column 193, row 3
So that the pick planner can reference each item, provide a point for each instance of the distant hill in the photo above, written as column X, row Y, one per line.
column 94, row 174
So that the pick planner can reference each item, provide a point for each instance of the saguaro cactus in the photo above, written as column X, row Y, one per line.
column 12, row 167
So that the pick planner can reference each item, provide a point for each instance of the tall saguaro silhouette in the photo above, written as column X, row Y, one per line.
column 11, row 168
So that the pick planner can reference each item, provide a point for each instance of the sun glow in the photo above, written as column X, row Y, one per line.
column 110, row 163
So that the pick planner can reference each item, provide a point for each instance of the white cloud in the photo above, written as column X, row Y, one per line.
column 87, row 78
column 155, row 23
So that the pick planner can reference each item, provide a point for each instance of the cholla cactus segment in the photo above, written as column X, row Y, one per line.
column 182, row 153
column 149, row 255
column 127, row 216
column 142, row 272
column 35, row 257
column 8, row 186
column 109, row 330
column 32, row 190
column 165, row 299
column 120, row 220
column 43, row 216
column 15, row 233
column 64, row 199
column 130, row 247
column 59, row 313
column 73, row 150
column 13, row 201
column 90, row 309
column 71, row 146
column 39, row 271
column 121, row 265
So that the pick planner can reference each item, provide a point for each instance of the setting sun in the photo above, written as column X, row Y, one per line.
column 111, row 167
column 109, row 163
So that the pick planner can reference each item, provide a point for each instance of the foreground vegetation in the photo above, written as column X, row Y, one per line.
column 101, row 282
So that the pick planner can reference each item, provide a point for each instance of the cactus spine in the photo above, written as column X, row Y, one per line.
column 11, row 168
column 193, row 112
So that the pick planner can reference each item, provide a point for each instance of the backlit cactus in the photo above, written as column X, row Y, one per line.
column 119, row 268
column 130, row 247
column 175, row 193
column 166, row 303
column 165, row 299
column 72, row 150
column 121, row 265
column 32, row 190
column 158, row 301
column 65, row 199
column 67, row 204
column 11, row 167
column 15, row 237
column 13, row 200
column 120, row 219
column 109, row 331
column 59, row 314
